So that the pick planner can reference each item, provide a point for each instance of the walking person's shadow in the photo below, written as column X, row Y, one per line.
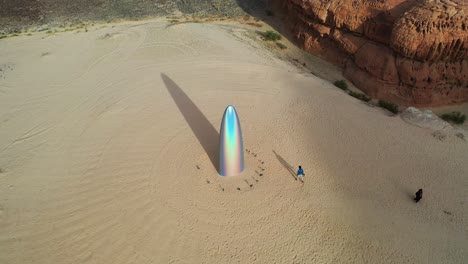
column 286, row 165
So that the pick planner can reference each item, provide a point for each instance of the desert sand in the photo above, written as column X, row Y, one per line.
column 108, row 149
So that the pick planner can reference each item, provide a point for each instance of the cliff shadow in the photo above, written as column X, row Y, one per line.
column 268, row 11
column 200, row 125
column 280, row 18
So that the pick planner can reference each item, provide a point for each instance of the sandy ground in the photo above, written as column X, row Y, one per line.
column 108, row 138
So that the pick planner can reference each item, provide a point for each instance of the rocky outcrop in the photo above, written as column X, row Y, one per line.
column 425, row 119
column 411, row 52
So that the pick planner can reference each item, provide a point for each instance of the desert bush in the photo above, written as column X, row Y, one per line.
column 439, row 135
column 254, row 24
column 341, row 84
column 281, row 45
column 460, row 136
column 389, row 106
column 82, row 25
column 454, row 117
column 271, row 35
column 360, row 96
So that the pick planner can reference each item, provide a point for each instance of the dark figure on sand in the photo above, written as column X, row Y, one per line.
column 418, row 195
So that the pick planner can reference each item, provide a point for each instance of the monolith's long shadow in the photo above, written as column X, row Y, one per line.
column 200, row 125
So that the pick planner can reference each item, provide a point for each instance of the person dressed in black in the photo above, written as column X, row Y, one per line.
column 419, row 194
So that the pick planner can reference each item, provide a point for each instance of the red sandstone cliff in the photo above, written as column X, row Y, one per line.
column 412, row 52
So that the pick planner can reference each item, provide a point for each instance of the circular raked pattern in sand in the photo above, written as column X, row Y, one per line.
column 107, row 147
column 115, row 157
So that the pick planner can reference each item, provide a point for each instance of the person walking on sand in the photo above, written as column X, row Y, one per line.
column 300, row 174
column 419, row 194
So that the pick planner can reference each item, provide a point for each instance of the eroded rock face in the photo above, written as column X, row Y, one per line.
column 432, row 32
column 412, row 52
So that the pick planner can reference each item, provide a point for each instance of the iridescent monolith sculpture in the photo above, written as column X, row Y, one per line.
column 231, row 154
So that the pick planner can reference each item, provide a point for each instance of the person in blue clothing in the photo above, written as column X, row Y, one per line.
column 300, row 174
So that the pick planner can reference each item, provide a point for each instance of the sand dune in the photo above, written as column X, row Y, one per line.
column 108, row 140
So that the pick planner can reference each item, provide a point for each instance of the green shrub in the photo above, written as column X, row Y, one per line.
column 360, row 96
column 341, row 84
column 454, row 117
column 254, row 24
column 271, row 35
column 281, row 45
column 389, row 106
